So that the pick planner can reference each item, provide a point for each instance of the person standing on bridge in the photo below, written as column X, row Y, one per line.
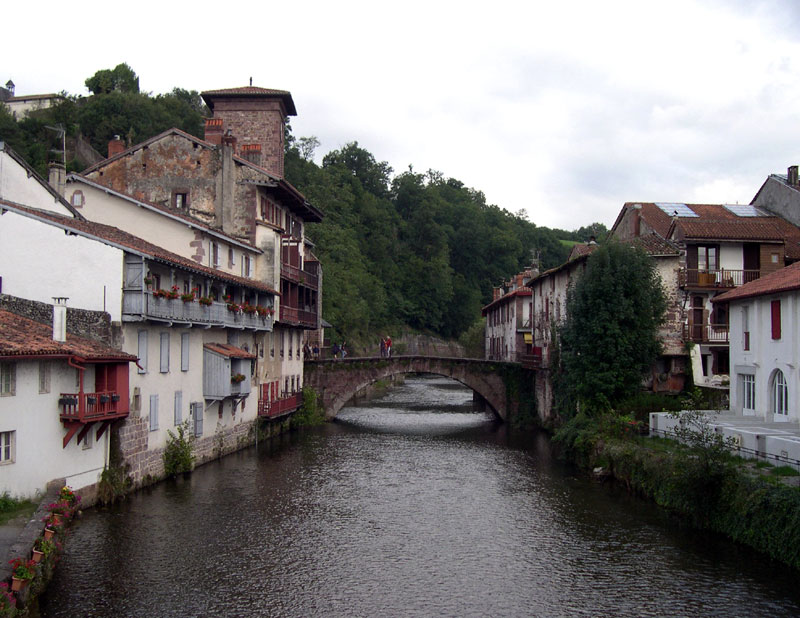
column 388, row 346
column 383, row 347
column 335, row 350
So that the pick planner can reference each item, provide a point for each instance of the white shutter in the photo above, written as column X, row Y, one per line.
column 178, row 407
column 184, row 351
column 153, row 412
column 164, row 352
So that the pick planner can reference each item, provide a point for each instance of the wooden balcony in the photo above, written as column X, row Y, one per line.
column 298, row 275
column 279, row 407
column 298, row 317
column 80, row 410
column 138, row 305
column 722, row 278
column 706, row 333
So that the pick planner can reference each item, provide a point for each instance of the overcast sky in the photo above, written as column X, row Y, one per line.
column 566, row 110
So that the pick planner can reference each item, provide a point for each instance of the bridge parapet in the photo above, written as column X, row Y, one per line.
column 506, row 387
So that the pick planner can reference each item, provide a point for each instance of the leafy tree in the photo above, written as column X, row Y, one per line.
column 610, row 337
column 119, row 79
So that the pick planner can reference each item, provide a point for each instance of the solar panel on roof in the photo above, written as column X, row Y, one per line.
column 679, row 210
column 744, row 210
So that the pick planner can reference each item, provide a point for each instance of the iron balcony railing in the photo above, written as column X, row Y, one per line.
column 706, row 333
column 722, row 278
column 138, row 305
column 90, row 407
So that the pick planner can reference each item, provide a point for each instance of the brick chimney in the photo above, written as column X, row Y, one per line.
column 792, row 175
column 496, row 293
column 60, row 318
column 214, row 131
column 252, row 153
column 115, row 146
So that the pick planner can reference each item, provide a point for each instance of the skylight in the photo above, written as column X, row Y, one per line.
column 744, row 210
column 680, row 210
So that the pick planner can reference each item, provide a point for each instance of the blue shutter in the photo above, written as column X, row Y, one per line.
column 184, row 351
column 178, row 407
column 164, row 352
column 153, row 412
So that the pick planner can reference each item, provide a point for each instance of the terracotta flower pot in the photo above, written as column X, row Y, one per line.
column 48, row 533
column 37, row 556
column 18, row 584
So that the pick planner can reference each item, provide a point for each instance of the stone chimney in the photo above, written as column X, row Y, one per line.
column 58, row 177
column 792, row 175
column 252, row 153
column 115, row 146
column 225, row 212
column 214, row 131
column 60, row 318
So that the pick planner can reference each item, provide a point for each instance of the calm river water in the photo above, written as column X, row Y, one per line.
column 411, row 505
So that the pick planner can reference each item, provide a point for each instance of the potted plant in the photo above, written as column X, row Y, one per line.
column 205, row 301
column 173, row 292
column 104, row 398
column 187, row 298
column 8, row 603
column 237, row 378
column 115, row 398
column 248, row 308
column 148, row 281
column 22, row 572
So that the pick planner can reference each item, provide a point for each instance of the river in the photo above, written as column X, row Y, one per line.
column 410, row 505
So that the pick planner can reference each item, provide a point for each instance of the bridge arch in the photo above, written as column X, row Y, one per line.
column 337, row 381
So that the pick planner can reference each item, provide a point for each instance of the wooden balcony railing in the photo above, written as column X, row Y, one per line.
column 301, row 317
column 280, row 406
column 706, row 333
column 722, row 278
column 90, row 407
column 298, row 275
column 144, row 305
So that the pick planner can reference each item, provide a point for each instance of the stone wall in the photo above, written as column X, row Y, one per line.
column 94, row 325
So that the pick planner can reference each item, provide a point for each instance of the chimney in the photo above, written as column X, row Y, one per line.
column 60, row 318
column 115, row 146
column 58, row 178
column 214, row 131
column 225, row 210
column 520, row 277
column 496, row 293
column 792, row 175
column 252, row 153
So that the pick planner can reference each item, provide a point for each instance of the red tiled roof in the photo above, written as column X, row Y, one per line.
column 653, row 244
column 581, row 249
column 781, row 280
column 508, row 296
column 226, row 349
column 20, row 336
column 744, row 228
column 124, row 240
column 250, row 92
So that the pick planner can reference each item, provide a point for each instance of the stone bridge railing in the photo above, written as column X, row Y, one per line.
column 507, row 388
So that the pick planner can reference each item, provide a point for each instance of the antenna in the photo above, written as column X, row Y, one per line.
column 60, row 132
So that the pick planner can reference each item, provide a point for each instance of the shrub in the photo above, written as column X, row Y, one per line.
column 179, row 452
column 310, row 413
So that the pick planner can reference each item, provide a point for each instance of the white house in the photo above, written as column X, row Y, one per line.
column 765, row 346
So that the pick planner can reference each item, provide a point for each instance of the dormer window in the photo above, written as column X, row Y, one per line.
column 180, row 200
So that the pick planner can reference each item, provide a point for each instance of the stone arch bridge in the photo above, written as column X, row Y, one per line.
column 508, row 389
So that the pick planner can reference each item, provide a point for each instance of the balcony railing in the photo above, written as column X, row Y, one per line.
column 280, row 406
column 293, row 315
column 706, row 333
column 144, row 305
column 298, row 275
column 90, row 407
column 722, row 278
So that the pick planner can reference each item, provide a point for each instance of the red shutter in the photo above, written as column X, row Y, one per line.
column 776, row 319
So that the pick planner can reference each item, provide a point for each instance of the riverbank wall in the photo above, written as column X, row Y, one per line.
column 709, row 491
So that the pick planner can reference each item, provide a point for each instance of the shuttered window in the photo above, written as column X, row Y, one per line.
column 178, row 414
column 776, row 319
column 164, row 352
column 153, row 412
column 197, row 418
column 184, row 351
column 142, row 353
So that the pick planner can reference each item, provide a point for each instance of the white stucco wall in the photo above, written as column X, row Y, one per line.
column 39, row 261
column 731, row 256
column 765, row 354
column 17, row 186
column 39, row 433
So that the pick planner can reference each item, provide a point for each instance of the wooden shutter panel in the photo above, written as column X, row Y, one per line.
column 178, row 407
column 776, row 319
column 184, row 351
column 164, row 352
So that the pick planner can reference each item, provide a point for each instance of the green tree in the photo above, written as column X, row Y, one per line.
column 610, row 337
column 119, row 79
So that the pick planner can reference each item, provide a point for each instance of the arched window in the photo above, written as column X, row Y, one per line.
column 780, row 395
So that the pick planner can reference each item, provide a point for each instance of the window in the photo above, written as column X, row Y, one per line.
column 197, row 418
column 214, row 255
column 180, row 200
column 707, row 257
column 246, row 266
column 77, row 199
column 153, row 412
column 271, row 345
column 231, row 257
column 746, row 328
column 142, row 352
column 780, row 395
column 164, row 368
column 86, row 442
column 776, row 319
column 184, row 351
column 283, row 343
column 748, row 391
column 8, row 379
column 8, row 441
column 44, row 377
column 178, row 414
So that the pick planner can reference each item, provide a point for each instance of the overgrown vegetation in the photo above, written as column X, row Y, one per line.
column 115, row 480
column 311, row 412
column 179, row 452
column 12, row 507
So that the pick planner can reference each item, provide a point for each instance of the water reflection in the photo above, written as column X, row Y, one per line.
column 413, row 505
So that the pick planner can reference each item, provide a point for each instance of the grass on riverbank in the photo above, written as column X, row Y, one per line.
column 710, row 488
column 11, row 508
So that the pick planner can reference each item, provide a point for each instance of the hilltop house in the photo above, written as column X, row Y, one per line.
column 721, row 247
